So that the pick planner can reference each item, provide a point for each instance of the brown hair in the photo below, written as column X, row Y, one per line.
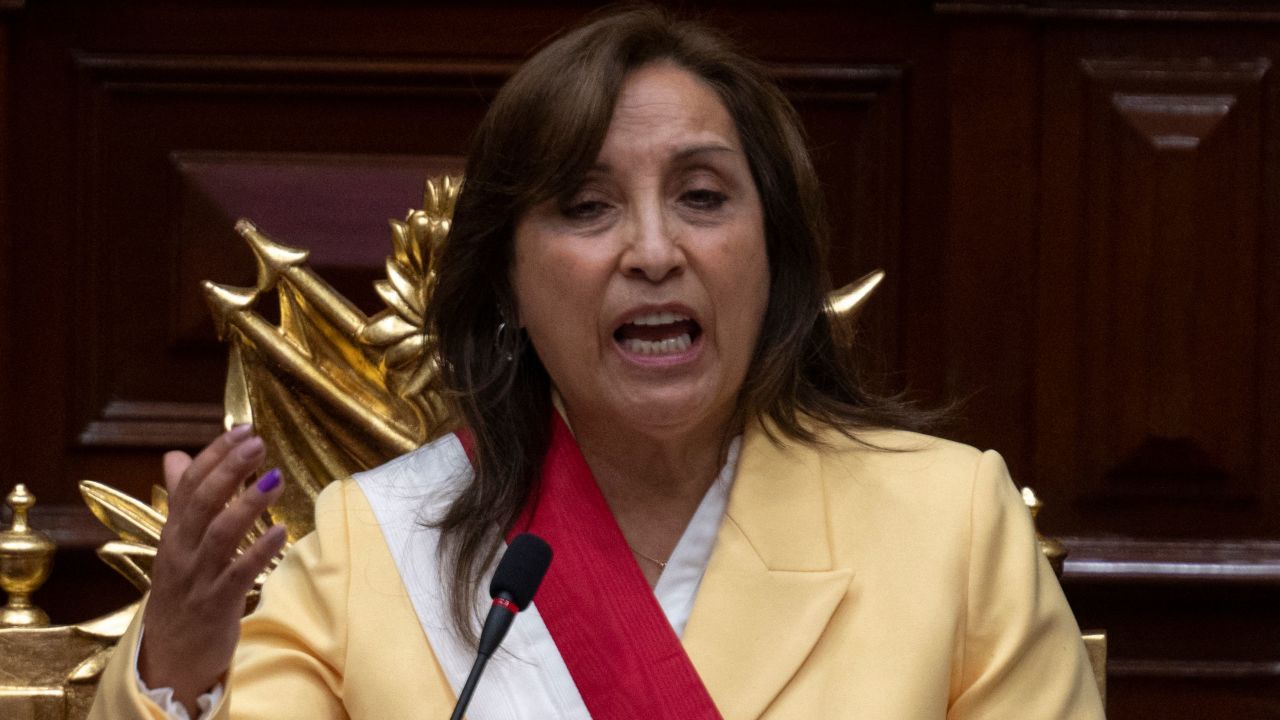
column 543, row 131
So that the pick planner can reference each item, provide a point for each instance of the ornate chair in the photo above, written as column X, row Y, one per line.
column 331, row 391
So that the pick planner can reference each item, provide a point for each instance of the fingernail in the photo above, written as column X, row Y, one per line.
column 268, row 482
column 250, row 448
column 240, row 432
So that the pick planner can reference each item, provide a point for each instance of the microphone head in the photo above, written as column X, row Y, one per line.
column 521, row 569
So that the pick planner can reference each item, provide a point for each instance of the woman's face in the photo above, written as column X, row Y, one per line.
column 644, row 290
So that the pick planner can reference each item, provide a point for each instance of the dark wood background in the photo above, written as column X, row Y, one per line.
column 1078, row 205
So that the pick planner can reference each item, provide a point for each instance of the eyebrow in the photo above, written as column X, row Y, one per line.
column 692, row 150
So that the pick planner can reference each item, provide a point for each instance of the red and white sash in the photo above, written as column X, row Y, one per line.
column 595, row 643
column 621, row 650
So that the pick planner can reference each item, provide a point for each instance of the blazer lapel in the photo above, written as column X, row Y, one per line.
column 770, row 587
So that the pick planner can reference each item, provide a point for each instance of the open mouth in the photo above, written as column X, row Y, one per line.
column 659, row 333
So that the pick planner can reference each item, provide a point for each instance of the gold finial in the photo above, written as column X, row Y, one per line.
column 843, row 306
column 1055, row 551
column 26, row 556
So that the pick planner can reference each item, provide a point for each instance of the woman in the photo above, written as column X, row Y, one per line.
column 630, row 316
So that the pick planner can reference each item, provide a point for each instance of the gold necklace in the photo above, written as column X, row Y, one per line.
column 661, row 565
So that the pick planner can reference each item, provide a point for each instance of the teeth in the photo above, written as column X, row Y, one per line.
column 659, row 318
column 669, row 346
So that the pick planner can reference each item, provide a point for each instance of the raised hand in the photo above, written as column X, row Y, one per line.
column 199, row 582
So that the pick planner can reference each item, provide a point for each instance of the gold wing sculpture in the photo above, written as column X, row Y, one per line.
column 330, row 390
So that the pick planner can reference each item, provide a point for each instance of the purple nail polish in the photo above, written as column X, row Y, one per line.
column 268, row 482
column 240, row 432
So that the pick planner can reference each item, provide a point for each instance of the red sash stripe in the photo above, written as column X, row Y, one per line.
column 621, row 651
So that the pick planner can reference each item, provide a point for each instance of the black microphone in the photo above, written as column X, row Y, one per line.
column 515, row 581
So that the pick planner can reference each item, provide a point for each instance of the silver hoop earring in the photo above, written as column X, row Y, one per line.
column 502, row 344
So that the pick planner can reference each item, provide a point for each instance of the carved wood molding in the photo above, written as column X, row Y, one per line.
column 241, row 74
column 1194, row 669
column 1196, row 595
column 1202, row 562
column 134, row 423
column 72, row 527
column 1114, row 12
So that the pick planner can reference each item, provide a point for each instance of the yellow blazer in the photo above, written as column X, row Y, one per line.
column 846, row 582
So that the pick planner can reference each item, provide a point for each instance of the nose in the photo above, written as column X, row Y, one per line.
column 653, row 252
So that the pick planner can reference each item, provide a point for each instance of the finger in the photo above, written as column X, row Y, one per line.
column 176, row 463
column 213, row 453
column 226, row 531
column 209, row 495
column 240, row 574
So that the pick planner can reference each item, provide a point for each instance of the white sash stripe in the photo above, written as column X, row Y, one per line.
column 526, row 679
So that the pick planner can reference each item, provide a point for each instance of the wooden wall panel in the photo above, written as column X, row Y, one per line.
column 7, row 347
column 856, row 120
column 175, row 148
column 987, row 295
column 1148, row 359
column 1154, row 352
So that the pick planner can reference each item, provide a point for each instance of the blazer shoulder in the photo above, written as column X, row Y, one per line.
column 899, row 454
column 906, row 480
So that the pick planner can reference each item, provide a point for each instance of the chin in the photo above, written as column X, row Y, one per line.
column 673, row 414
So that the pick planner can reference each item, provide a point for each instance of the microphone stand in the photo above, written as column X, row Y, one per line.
column 464, row 697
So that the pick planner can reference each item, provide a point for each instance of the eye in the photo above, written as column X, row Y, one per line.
column 586, row 209
column 583, row 206
column 704, row 199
